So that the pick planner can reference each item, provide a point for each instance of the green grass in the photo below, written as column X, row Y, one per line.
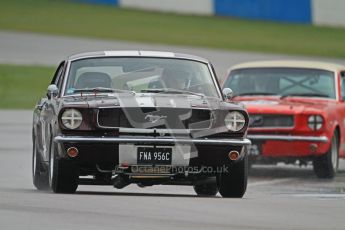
column 22, row 86
column 64, row 18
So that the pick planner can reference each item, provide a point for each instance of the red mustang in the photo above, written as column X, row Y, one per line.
column 297, row 111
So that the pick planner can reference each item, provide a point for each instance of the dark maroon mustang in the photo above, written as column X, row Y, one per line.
column 122, row 117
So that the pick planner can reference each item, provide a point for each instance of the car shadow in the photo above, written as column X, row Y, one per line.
column 86, row 192
column 141, row 194
column 285, row 171
column 260, row 171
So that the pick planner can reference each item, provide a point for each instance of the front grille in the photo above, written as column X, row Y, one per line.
column 149, row 118
column 270, row 120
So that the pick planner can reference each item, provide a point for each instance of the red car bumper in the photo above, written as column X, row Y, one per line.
column 288, row 145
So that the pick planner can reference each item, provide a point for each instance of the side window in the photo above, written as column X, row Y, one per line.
column 342, row 85
column 58, row 76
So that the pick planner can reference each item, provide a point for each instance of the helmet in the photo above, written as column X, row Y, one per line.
column 175, row 78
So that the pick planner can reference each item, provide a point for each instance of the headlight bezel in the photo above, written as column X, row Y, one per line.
column 71, row 118
column 235, row 121
column 315, row 122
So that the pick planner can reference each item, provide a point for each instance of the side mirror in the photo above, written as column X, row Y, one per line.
column 52, row 91
column 227, row 93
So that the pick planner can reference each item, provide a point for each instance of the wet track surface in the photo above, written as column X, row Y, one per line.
column 283, row 197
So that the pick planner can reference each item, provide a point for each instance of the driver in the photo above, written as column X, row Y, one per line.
column 175, row 79
column 267, row 84
column 260, row 84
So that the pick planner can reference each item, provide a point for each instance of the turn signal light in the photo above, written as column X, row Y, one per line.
column 233, row 155
column 72, row 152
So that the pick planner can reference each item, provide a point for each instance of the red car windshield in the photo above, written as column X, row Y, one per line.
column 282, row 82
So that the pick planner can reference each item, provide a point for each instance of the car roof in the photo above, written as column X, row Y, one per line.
column 290, row 64
column 135, row 53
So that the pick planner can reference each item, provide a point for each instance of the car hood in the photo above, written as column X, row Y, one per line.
column 148, row 100
column 288, row 105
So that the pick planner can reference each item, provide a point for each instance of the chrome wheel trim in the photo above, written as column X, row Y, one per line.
column 51, row 169
column 334, row 153
column 34, row 160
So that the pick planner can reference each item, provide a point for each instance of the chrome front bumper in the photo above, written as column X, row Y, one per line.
column 288, row 138
column 152, row 140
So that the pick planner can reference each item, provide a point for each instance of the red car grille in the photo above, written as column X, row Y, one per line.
column 270, row 120
column 172, row 118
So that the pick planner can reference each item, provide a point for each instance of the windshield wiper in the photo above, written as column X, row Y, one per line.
column 101, row 90
column 254, row 94
column 304, row 95
column 168, row 90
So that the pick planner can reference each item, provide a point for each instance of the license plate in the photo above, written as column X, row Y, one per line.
column 154, row 156
column 254, row 149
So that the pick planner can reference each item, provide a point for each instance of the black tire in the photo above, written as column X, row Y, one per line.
column 233, row 184
column 250, row 163
column 63, row 175
column 326, row 166
column 251, row 159
column 208, row 189
column 39, row 176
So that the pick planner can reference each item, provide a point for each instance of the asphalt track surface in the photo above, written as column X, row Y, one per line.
column 278, row 197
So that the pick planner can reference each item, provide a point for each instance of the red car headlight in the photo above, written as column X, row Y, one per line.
column 315, row 122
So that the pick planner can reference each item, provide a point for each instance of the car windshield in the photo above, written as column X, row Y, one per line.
column 146, row 75
column 282, row 82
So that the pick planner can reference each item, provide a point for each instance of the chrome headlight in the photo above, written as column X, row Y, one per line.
column 71, row 118
column 235, row 121
column 315, row 122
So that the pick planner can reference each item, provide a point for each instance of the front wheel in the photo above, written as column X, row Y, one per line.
column 233, row 184
column 326, row 165
column 63, row 175
column 39, row 176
